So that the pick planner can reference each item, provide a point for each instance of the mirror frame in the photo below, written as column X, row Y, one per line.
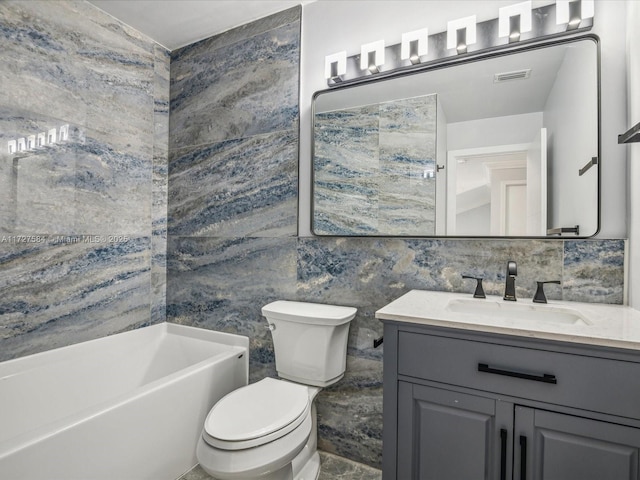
column 446, row 62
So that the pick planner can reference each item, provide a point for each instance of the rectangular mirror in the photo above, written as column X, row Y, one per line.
column 502, row 145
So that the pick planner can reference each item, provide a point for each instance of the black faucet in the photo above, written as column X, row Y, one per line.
column 510, row 284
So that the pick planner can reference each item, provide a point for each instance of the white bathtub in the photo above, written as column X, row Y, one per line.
column 126, row 407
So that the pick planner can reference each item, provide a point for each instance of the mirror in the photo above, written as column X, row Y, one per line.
column 503, row 145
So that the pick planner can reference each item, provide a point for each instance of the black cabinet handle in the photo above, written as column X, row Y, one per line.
column 545, row 378
column 503, row 454
column 523, row 457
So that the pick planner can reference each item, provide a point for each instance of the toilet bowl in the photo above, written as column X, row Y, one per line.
column 258, row 430
column 267, row 430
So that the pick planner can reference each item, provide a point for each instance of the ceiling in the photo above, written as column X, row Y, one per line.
column 176, row 23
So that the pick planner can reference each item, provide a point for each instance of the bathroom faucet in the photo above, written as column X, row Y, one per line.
column 510, row 284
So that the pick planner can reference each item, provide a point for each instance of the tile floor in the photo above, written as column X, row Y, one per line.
column 332, row 468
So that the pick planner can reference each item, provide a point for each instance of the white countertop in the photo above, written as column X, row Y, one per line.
column 599, row 324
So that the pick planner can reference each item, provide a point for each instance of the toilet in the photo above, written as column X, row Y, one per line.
column 267, row 430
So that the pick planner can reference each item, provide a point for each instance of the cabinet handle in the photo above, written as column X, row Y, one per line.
column 523, row 457
column 503, row 454
column 545, row 378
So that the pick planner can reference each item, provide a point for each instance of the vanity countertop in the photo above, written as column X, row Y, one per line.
column 596, row 324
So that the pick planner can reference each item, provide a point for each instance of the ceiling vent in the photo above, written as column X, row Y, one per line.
column 516, row 75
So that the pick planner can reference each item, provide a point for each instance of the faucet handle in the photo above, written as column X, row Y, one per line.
column 479, row 293
column 540, row 297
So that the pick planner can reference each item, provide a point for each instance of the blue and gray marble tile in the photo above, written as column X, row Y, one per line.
column 222, row 91
column 594, row 271
column 345, row 172
column 62, row 290
column 160, row 188
column 75, row 60
column 241, row 187
column 95, row 194
column 374, row 169
column 222, row 284
column 350, row 413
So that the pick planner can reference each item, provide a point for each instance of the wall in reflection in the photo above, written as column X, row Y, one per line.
column 374, row 169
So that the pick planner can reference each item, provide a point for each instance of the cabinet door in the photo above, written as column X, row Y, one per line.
column 553, row 446
column 446, row 435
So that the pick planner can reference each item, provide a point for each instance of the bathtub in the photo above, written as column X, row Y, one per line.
column 129, row 406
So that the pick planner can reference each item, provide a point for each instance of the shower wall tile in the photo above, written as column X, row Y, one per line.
column 241, row 187
column 187, row 53
column 77, row 186
column 96, row 198
column 222, row 284
column 222, row 91
column 64, row 290
column 72, row 59
column 38, row 191
column 113, row 188
column 160, row 176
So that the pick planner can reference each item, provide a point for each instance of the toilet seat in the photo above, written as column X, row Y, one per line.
column 256, row 414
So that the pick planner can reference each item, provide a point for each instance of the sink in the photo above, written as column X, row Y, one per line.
column 517, row 311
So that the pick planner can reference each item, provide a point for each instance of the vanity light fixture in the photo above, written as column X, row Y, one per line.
column 516, row 23
column 414, row 45
column 461, row 33
column 372, row 56
column 335, row 65
column 573, row 12
column 514, row 20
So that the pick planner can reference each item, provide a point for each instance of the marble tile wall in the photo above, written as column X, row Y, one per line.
column 233, row 138
column 222, row 284
column 233, row 178
column 82, row 215
column 232, row 243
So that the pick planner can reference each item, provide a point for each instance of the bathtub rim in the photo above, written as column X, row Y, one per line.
column 224, row 338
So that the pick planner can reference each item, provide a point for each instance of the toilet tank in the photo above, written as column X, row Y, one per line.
column 310, row 340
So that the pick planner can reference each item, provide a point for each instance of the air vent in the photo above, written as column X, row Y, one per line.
column 516, row 75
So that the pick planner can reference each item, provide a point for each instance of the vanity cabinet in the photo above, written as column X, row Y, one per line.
column 466, row 405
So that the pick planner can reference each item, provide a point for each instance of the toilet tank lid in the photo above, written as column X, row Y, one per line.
column 304, row 312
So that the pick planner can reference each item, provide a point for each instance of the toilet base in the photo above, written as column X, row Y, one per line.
column 306, row 465
column 310, row 471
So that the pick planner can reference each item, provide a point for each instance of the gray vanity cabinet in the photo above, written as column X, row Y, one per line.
column 555, row 446
column 446, row 434
column 464, row 405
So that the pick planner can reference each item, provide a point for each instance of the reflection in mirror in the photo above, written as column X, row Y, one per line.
column 373, row 162
column 492, row 147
